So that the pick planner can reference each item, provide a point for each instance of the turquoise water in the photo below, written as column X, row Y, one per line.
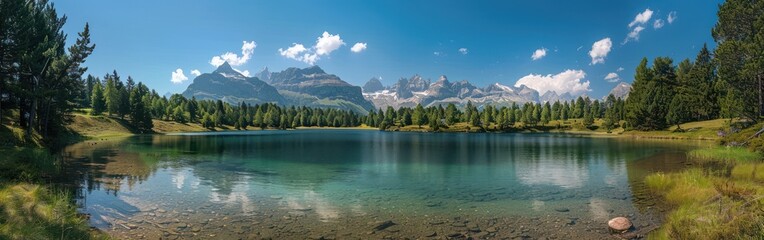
column 342, row 183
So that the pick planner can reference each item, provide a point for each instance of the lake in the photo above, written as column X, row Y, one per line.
column 362, row 184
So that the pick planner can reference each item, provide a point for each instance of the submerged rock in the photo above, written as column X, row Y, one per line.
column 562, row 209
column 619, row 224
column 382, row 225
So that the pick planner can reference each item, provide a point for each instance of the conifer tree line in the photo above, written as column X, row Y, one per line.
column 502, row 118
column 39, row 76
column 725, row 83
column 113, row 97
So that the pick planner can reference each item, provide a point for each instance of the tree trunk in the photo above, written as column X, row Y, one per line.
column 761, row 101
column 32, row 109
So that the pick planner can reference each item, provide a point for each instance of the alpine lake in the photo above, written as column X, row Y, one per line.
column 363, row 184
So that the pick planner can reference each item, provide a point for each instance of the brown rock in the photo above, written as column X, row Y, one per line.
column 619, row 224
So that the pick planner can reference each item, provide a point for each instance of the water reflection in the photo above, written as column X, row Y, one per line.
column 331, row 175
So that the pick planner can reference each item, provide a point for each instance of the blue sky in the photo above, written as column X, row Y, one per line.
column 150, row 40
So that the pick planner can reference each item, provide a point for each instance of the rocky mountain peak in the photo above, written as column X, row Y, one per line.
column 225, row 68
column 373, row 85
column 264, row 75
column 621, row 90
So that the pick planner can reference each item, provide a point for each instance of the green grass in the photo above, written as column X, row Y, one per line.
column 724, row 154
column 700, row 130
column 30, row 211
column 748, row 171
column 713, row 204
column 26, row 164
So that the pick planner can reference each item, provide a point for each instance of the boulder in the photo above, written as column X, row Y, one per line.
column 619, row 224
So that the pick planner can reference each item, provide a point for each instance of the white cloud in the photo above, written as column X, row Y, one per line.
column 293, row 52
column 658, row 23
column 612, row 77
column 637, row 25
column 437, row 53
column 671, row 17
column 247, row 48
column 538, row 54
column 245, row 72
column 358, row 47
column 327, row 43
column 569, row 81
column 196, row 72
column 178, row 76
column 579, row 48
column 634, row 34
column 619, row 69
column 464, row 51
column 310, row 58
column 599, row 51
column 642, row 18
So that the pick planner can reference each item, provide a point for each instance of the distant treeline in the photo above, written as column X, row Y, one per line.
column 120, row 99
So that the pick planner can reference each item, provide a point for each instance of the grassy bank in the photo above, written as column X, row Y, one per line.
column 31, row 209
column 723, row 198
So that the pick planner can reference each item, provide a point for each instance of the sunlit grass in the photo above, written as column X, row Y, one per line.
column 713, row 204
column 725, row 154
column 749, row 171
column 30, row 211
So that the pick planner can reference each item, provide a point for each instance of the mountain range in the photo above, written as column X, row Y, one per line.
column 416, row 90
column 313, row 87
column 294, row 86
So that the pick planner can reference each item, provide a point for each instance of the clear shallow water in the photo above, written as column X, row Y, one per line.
column 342, row 183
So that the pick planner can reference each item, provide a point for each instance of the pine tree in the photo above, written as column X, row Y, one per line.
column 140, row 116
column 635, row 105
column 97, row 100
column 419, row 117
column 111, row 95
column 546, row 114
column 686, row 98
column 739, row 34
column 451, row 114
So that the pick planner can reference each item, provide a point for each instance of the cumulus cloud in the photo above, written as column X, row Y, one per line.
column 437, row 53
column 463, row 51
column 196, row 72
column 295, row 52
column 538, row 54
column 619, row 69
column 658, row 23
column 671, row 17
column 325, row 45
column 600, row 50
column 178, row 76
column 247, row 48
column 612, row 77
column 569, row 81
column 642, row 18
column 358, row 47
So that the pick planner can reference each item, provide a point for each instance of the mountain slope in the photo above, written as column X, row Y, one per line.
column 621, row 90
column 228, row 85
column 314, row 81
